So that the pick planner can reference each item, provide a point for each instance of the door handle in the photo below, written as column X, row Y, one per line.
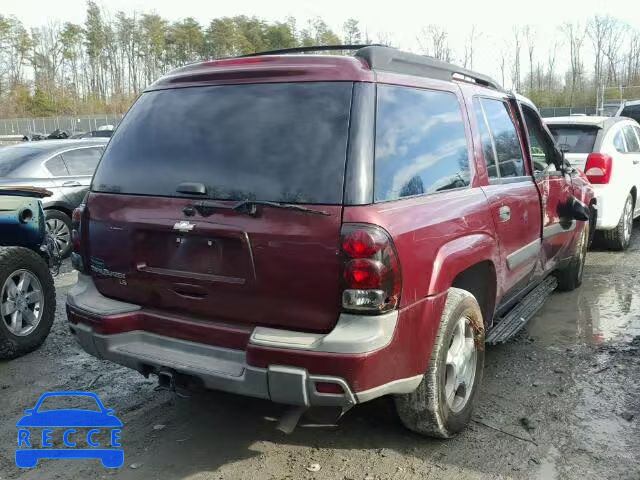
column 504, row 213
column 71, row 183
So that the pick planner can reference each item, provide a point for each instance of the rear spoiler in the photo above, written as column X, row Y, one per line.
column 33, row 192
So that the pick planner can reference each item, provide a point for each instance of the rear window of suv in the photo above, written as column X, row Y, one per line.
column 575, row 138
column 281, row 142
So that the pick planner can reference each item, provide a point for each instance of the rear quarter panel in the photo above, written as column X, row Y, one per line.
column 436, row 236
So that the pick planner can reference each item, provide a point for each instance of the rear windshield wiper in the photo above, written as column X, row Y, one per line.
column 249, row 207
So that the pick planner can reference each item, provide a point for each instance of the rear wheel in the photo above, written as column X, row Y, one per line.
column 442, row 404
column 59, row 227
column 620, row 237
column 27, row 301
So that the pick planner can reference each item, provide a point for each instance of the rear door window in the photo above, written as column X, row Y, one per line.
column 505, row 137
column 632, row 141
column 82, row 162
column 574, row 138
column 421, row 145
column 282, row 142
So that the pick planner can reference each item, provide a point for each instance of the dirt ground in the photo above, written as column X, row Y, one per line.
column 561, row 401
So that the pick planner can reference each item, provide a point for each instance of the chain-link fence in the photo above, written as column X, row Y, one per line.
column 566, row 111
column 72, row 124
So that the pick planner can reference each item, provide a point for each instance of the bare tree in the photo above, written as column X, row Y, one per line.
column 575, row 35
column 551, row 65
column 613, row 43
column 433, row 41
column 515, row 69
column 530, row 36
column 469, row 48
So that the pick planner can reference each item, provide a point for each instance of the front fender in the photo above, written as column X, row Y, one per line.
column 458, row 255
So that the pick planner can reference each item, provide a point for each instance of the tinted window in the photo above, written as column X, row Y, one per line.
column 14, row 161
column 485, row 137
column 283, row 142
column 82, row 161
column 510, row 160
column 421, row 145
column 575, row 138
column 630, row 137
column 56, row 167
column 618, row 142
column 632, row 111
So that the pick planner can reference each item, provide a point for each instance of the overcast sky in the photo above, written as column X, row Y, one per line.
column 401, row 20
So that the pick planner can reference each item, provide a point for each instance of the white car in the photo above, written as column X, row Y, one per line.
column 607, row 150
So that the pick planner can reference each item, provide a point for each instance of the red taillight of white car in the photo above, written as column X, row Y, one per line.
column 598, row 168
column 371, row 270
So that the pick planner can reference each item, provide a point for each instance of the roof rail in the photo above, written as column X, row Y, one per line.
column 383, row 57
column 398, row 61
column 314, row 48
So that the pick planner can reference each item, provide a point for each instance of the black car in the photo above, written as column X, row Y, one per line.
column 27, row 293
column 64, row 167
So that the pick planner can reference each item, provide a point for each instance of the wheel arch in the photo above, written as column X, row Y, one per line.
column 61, row 207
column 468, row 263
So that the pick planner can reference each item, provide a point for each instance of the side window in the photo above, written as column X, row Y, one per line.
column 82, row 161
column 540, row 143
column 56, row 167
column 510, row 161
column 618, row 142
column 421, row 146
column 632, row 141
column 487, row 143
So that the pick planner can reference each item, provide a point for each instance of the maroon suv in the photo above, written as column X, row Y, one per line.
column 322, row 230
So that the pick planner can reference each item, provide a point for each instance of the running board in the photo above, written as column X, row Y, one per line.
column 509, row 325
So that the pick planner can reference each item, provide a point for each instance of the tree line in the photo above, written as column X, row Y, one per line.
column 101, row 65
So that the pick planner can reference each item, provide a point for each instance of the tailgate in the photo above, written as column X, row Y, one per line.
column 277, row 268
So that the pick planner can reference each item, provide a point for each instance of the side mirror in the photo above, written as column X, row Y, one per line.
column 579, row 211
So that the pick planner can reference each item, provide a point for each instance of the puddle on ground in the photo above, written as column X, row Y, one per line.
column 603, row 310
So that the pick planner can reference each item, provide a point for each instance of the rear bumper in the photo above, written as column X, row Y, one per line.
column 366, row 357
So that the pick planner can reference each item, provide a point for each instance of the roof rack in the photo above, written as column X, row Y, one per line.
column 393, row 60
column 383, row 57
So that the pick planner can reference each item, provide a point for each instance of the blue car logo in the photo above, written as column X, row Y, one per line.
column 64, row 433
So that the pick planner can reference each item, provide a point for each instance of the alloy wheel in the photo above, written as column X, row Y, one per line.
column 460, row 372
column 59, row 231
column 21, row 302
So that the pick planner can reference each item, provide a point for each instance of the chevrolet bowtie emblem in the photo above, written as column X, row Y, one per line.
column 183, row 226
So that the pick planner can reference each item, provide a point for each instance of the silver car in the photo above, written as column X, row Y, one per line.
column 65, row 167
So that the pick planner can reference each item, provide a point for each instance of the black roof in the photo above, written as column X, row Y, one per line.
column 381, row 57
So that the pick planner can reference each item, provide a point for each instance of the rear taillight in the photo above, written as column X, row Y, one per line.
column 598, row 168
column 77, row 218
column 371, row 271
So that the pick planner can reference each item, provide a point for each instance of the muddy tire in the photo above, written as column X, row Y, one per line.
column 570, row 277
column 620, row 237
column 442, row 404
column 26, row 288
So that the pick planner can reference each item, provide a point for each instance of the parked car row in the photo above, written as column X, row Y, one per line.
column 325, row 230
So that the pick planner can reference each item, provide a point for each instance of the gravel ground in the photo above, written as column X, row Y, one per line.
column 561, row 401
